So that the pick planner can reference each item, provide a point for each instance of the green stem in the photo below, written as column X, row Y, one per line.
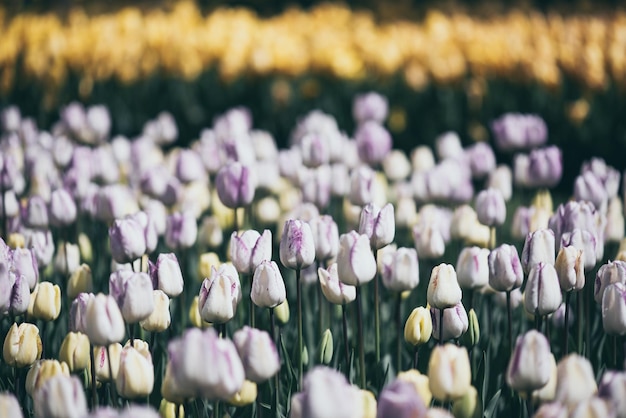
column 94, row 393
column 112, row 381
column 566, row 325
column 275, row 399
column 399, row 335
column 376, row 308
column 579, row 305
column 509, row 320
column 300, row 342
column 359, row 302
column 416, row 352
column 216, row 409
column 346, row 343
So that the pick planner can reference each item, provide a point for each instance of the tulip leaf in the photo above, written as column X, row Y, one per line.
column 490, row 411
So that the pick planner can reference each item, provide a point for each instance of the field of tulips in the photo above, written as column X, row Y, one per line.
column 338, row 277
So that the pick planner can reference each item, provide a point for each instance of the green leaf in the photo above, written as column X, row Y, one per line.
column 493, row 404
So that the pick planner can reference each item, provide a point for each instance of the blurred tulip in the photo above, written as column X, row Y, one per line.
column 612, row 387
column 9, row 406
column 455, row 322
column 614, row 309
column 245, row 396
column 528, row 368
column 355, row 260
column 207, row 260
column 429, row 241
column 538, row 247
column 472, row 267
column 22, row 345
column 552, row 410
column 210, row 232
column 236, row 184
column 443, row 287
column 133, row 294
column 542, row 295
column 297, row 248
column 80, row 281
column 103, row 361
column 67, row 258
column 220, row 294
column 517, row 131
column 62, row 208
column 41, row 372
column 15, row 297
column 449, row 372
column 104, row 321
column 373, row 142
column 593, row 408
column 249, row 248
column 327, row 394
column 609, row 273
column 181, row 230
column 171, row 410
column 60, row 397
column 505, row 269
column 325, row 237
column 46, row 301
column 258, row 354
column 585, row 241
column 268, row 286
column 378, row 224
column 396, row 165
column 74, row 351
column 399, row 399
column 401, row 272
column 315, row 150
column 589, row 187
column 166, row 274
column 420, row 384
column 25, row 265
column 448, row 145
column 369, row 106
column 547, row 392
column 78, row 312
column 468, row 406
column 501, row 179
column 490, row 207
column 36, row 213
column 545, row 167
column 127, row 240
column 570, row 268
column 418, row 327
column 135, row 376
column 361, row 185
column 576, row 381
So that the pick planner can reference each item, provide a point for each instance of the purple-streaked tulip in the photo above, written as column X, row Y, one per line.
column 127, row 240
column 315, row 184
column 443, row 287
column 325, row 237
column 326, row 393
column 335, row 290
column 545, row 167
column 361, row 185
column 369, row 106
column 25, row 264
column 315, row 150
column 576, row 381
column 542, row 295
column 593, row 407
column 570, row 268
column 60, row 397
column 160, row 184
column 505, row 268
column 501, row 179
column 355, row 260
column 513, row 131
column 297, row 247
column 19, row 292
column 78, row 312
column 472, row 268
column 612, row 387
column 135, row 375
column 589, row 187
column 455, row 322
column 248, row 249
column 133, row 294
column 529, row 367
column 538, row 247
column 429, row 241
column 614, row 309
column 236, row 185
column 258, row 354
column 482, row 160
column 62, row 208
column 609, row 273
column 400, row 399
column 573, row 215
column 608, row 175
column 373, row 142
column 585, row 241
column 36, row 213
column 490, row 207
column 400, row 270
column 268, row 287
column 220, row 294
column 189, row 166
column 104, row 323
column 378, row 224
column 449, row 372
column 181, row 230
column 150, row 233
column 113, row 202
column 166, row 274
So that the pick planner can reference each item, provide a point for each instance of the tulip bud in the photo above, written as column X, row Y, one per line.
column 258, row 354
column 84, row 245
column 429, row 241
column 282, row 312
column 419, row 382
column 236, row 184
column 326, row 347
column 46, row 301
column 614, row 309
column 135, row 377
column 127, row 240
column 220, row 294
column 378, row 224
column 529, row 367
column 194, row 315
column 9, row 406
column 443, row 287
column 325, row 237
column 612, row 272
column 249, row 249
column 538, row 247
column 62, row 208
column 361, row 185
column 542, row 295
column 78, row 312
column 101, row 356
column 570, row 268
column 133, row 294
column 268, row 287
column 505, row 270
column 547, row 392
column 67, row 258
column 297, row 249
column 585, row 241
column 468, row 406
column 207, row 260
column 334, row 290
column 399, row 399
column 104, row 321
column 80, row 281
column 472, row 336
column 25, row 264
column 355, row 260
column 418, row 327
column 181, row 230
column 326, row 393
column 36, row 213
column 576, row 381
column 613, row 388
column 449, row 372
column 22, row 345
column 400, row 270
column 472, row 268
column 593, row 408
column 60, row 397
column 171, row 410
column 160, row 318
column 245, row 396
column 501, row 179
column 42, row 371
column 455, row 322
column 490, row 207
column 15, row 297
column 74, row 351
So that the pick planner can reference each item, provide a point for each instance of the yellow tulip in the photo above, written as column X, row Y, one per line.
column 75, row 351
column 22, row 345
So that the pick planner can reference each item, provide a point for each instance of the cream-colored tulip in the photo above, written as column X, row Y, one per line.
column 368, row 401
column 80, row 281
column 45, row 302
column 168, row 409
column 135, row 376
column 102, row 361
column 75, row 351
column 420, row 382
column 449, row 372
column 160, row 318
column 418, row 327
column 246, row 395
column 443, row 289
column 206, row 261
column 43, row 370
column 22, row 345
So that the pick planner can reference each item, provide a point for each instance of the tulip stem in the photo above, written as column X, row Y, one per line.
column 94, row 393
column 416, row 353
column 300, row 343
column 361, row 341
column 529, row 404
column 492, row 237
column 566, row 325
column 275, row 399
column 376, row 308
column 235, row 221
column 399, row 335
column 216, row 409
column 252, row 305
column 112, row 381
column 441, row 326
column 346, row 345
column 579, row 305
column 509, row 319
column 177, row 414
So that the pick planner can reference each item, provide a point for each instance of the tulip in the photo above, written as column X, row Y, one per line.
column 614, row 309
column 268, row 287
column 135, row 376
column 14, row 293
column 368, row 106
column 517, row 131
column 282, row 312
column 422, row 158
column 60, row 397
column 246, row 395
column 612, row 272
column 472, row 268
column 543, row 292
column 373, row 142
column 297, row 248
column 472, row 336
column 501, row 179
column 399, row 399
column 396, row 165
column 149, row 227
column 74, row 351
column 327, row 394
column 220, row 294
column 189, row 166
column 325, row 237
column 418, row 327
column 194, row 315
column 613, row 388
column 615, row 222
column 552, row 410
column 469, row 406
column 207, row 260
column 133, row 294
column 9, row 406
column 576, row 381
column 42, row 371
column 538, row 247
column 570, row 268
column 22, row 345
column 547, row 392
column 505, row 269
column 450, row 324
column 166, row 274
column 490, row 207
column 315, row 150
column 62, row 208
column 181, row 230
column 448, row 145
column 361, row 186
column 171, row 410
column 78, row 312
column 104, row 321
column 429, row 241
column 401, row 270
column 529, row 367
column 80, row 281
column 107, row 361
column 67, row 258
column 127, row 240
column 593, row 408
column 355, row 260
column 46, row 301
column 443, row 287
column 545, row 167
column 326, row 347
column 25, row 265
column 249, row 249
column 585, row 241
column 258, row 354
column 36, row 213
column 236, row 184
column 378, row 224
column 589, row 187
column 449, row 372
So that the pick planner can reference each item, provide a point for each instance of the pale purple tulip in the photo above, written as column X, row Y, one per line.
column 315, row 184
column 400, row 270
column 608, row 175
column 455, row 322
column 104, row 323
column 490, row 207
column 25, row 264
column 62, row 208
column 127, row 239
column 166, row 274
column 268, row 287
column 361, row 185
column 327, row 394
column 220, row 294
column 614, row 309
column 315, row 150
column 545, row 167
column 60, row 396
column 400, row 399
column 505, row 268
column 582, row 240
column 133, row 294
column 373, row 142
column 189, row 166
column 249, row 249
column 258, row 354
column 589, row 187
column 297, row 247
column 448, row 145
column 36, row 213
column 513, row 131
column 355, row 260
column 325, row 237
column 378, row 224
column 609, row 273
column 78, row 312
column 538, row 247
column 529, row 367
column 369, row 106
column 481, row 158
column 181, row 230
column 236, row 185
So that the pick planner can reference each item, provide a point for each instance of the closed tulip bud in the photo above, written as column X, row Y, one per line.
column 593, row 408
column 545, row 167
column 472, row 267
column 210, row 232
column 355, row 260
column 326, row 347
column 468, row 406
column 15, row 294
column 36, row 213
column 613, row 388
column 78, row 312
column 207, row 260
column 361, row 185
column 297, row 248
column 220, row 294
column 502, row 179
column 419, row 382
column 104, row 321
column 268, row 287
column 366, row 106
column 74, row 351
column 80, row 281
column 127, row 239
column 614, row 230
column 399, row 399
column 135, row 377
column 67, row 258
column 570, row 268
column 400, row 270
column 9, row 406
column 326, row 393
column 236, row 184
column 505, row 269
column 282, row 312
column 245, row 396
column 60, row 397
column 585, row 241
column 258, row 354
column 455, row 322
column 46, row 301
column 149, row 228
column 547, row 392
column 132, row 292
column 25, row 264
column 614, row 309
column 443, row 287
column 249, row 249
column 194, row 315
column 609, row 273
column 22, row 345
column 181, row 230
column 552, row 410
column 576, row 381
column 529, row 367
column 42, row 245
column 472, row 336
column 62, row 208
column 101, row 357
column 166, row 274
column 171, row 410
column 449, row 372
column 325, row 237
column 86, row 250
column 378, row 224
column 542, row 295
column 538, row 247
column 422, row 158
column 418, row 327
column 396, row 165
column 42, row 371
column 160, row 318
column 490, row 207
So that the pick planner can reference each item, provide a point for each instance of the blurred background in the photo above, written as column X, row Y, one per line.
column 442, row 65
